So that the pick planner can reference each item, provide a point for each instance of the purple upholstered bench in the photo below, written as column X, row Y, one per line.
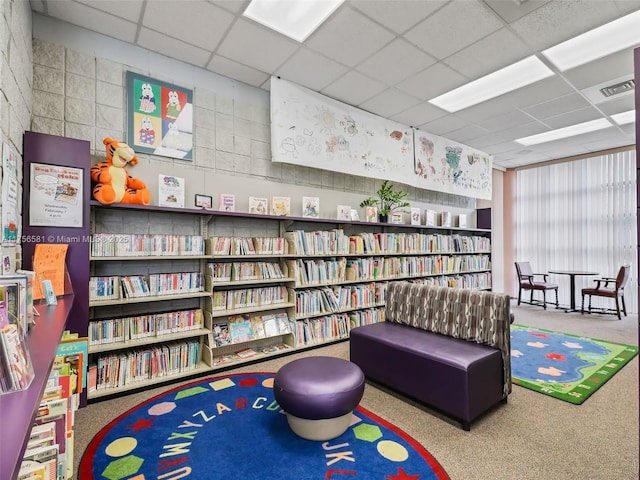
column 448, row 348
column 318, row 394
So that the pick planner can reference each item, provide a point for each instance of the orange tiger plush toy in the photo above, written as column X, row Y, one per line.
column 113, row 183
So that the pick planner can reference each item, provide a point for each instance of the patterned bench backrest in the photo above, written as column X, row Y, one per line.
column 473, row 315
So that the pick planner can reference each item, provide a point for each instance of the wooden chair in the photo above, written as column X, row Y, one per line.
column 610, row 288
column 527, row 280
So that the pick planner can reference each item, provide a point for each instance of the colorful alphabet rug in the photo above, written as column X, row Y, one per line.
column 231, row 427
column 564, row 366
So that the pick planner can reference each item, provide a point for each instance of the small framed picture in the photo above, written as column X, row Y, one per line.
column 204, row 201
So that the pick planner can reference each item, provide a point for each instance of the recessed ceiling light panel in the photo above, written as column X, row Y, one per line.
column 624, row 117
column 296, row 19
column 507, row 79
column 597, row 43
column 565, row 132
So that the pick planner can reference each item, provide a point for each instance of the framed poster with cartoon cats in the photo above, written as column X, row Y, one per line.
column 159, row 117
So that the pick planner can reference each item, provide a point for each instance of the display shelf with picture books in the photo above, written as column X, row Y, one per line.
column 42, row 343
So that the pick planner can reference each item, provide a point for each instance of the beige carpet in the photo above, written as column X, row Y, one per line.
column 532, row 437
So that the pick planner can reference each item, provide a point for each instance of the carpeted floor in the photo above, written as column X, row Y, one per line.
column 532, row 437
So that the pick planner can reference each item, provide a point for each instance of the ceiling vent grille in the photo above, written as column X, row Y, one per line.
column 618, row 88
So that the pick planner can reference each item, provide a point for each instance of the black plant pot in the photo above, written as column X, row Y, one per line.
column 383, row 218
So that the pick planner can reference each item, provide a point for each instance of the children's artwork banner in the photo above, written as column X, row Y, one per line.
column 159, row 117
column 313, row 130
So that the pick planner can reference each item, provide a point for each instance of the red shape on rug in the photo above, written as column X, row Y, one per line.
column 556, row 356
column 140, row 424
column 402, row 475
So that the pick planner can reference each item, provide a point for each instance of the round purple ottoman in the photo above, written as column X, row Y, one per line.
column 318, row 395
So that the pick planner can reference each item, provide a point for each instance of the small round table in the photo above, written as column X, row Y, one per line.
column 319, row 394
column 572, row 284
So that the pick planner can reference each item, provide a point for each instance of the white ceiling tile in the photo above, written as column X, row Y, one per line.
column 439, row 34
column 431, row 82
column 525, row 130
column 207, row 23
column 389, row 102
column 156, row 42
column 513, row 10
column 443, row 125
column 556, row 106
column 538, row 92
column 489, row 54
column 349, row 37
column 237, row 71
column 395, row 62
column 612, row 66
column 256, row 46
column 419, row 114
column 399, row 15
column 353, row 88
column 484, row 141
column 310, row 69
column 573, row 118
column 466, row 133
column 129, row 10
column 488, row 109
column 234, row 6
column 504, row 121
column 93, row 19
column 627, row 6
column 618, row 104
column 560, row 20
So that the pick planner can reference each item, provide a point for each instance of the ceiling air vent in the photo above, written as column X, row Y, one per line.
column 618, row 88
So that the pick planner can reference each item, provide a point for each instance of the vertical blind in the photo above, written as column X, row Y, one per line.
column 580, row 215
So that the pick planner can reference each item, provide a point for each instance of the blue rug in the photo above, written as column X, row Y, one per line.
column 230, row 427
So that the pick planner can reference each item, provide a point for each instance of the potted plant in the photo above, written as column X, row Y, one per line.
column 388, row 200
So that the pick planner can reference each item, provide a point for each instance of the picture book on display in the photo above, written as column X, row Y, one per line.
column 227, row 202
column 430, row 217
column 371, row 214
column 415, row 216
column 280, row 206
column 258, row 205
column 445, row 219
column 221, row 334
column 311, row 207
column 396, row 217
column 343, row 212
column 16, row 371
column 354, row 215
column 240, row 328
column 462, row 220
column 170, row 191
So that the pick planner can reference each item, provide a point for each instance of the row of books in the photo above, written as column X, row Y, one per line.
column 49, row 452
column 337, row 298
column 133, row 286
column 247, row 297
column 396, row 243
column 117, row 330
column 143, row 364
column 319, row 242
column 481, row 280
column 218, row 245
column 128, row 245
column 237, row 271
column 245, row 328
column 315, row 330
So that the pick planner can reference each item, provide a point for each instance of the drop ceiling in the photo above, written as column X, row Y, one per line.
column 390, row 57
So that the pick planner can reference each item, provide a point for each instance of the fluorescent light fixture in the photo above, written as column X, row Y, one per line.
column 294, row 18
column 507, row 79
column 565, row 132
column 597, row 43
column 624, row 117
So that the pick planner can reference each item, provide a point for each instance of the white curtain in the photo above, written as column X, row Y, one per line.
column 580, row 215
